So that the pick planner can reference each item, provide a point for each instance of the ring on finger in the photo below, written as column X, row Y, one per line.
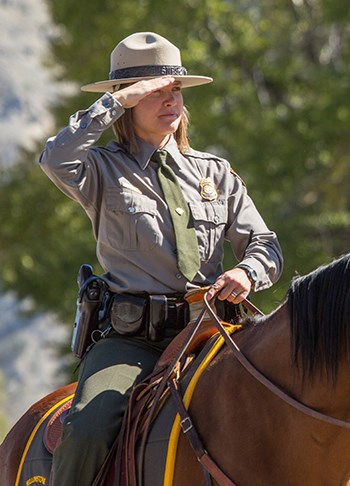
column 234, row 294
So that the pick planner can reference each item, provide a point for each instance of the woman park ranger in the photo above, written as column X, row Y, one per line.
column 160, row 212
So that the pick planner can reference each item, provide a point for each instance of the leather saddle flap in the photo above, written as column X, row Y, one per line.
column 53, row 431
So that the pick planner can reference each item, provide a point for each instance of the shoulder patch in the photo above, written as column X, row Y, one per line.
column 233, row 172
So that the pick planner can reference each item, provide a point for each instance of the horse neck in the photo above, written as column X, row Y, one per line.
column 267, row 344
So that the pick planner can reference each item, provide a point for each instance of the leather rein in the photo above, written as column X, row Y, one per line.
column 211, row 469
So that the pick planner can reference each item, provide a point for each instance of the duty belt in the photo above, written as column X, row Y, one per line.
column 154, row 316
column 158, row 316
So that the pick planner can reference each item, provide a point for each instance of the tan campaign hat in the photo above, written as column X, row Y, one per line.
column 145, row 55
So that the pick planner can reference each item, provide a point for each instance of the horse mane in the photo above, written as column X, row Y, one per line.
column 319, row 312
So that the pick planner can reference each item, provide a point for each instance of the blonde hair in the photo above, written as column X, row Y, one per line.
column 124, row 131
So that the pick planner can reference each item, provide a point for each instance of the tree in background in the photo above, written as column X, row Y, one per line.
column 278, row 110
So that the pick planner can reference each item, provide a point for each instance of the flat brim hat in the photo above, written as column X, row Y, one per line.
column 145, row 55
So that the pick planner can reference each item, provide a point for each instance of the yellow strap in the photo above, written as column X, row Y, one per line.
column 175, row 431
column 32, row 435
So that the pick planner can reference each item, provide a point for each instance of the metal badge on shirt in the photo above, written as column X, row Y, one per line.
column 208, row 189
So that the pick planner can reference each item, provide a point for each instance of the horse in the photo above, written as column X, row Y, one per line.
column 273, row 406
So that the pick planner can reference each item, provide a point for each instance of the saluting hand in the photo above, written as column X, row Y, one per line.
column 133, row 94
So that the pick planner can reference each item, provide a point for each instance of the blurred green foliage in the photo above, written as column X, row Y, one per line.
column 279, row 110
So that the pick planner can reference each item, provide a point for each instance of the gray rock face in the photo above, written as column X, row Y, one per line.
column 27, row 81
column 29, row 359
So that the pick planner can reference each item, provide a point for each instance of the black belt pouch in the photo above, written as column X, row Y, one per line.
column 128, row 314
column 158, row 315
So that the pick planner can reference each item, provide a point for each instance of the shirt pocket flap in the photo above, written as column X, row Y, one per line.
column 130, row 202
column 213, row 213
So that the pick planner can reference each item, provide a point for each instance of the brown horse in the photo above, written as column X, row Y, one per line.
column 274, row 408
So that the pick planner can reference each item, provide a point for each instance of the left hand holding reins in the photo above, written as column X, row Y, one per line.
column 233, row 285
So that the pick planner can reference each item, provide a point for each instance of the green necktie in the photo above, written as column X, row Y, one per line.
column 186, row 240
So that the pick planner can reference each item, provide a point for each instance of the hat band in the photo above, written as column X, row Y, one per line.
column 143, row 71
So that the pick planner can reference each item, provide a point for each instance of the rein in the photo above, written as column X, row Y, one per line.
column 210, row 468
column 263, row 379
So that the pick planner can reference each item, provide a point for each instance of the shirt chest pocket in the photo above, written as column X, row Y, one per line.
column 209, row 221
column 131, row 222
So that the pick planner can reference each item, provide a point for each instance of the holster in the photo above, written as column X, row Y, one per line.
column 91, row 306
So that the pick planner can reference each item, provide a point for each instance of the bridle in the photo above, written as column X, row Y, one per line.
column 211, row 469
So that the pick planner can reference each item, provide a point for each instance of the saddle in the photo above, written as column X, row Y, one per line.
column 53, row 430
column 146, row 402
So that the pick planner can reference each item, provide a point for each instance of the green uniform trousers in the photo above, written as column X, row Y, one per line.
column 107, row 374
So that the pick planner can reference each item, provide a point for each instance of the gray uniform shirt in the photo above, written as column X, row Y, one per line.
column 120, row 193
